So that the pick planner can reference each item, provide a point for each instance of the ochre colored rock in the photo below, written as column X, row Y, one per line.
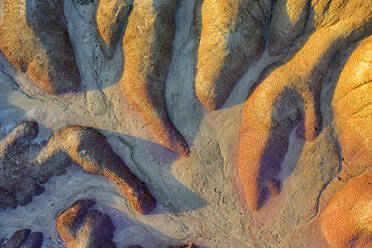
column 352, row 109
column 90, row 150
column 147, row 47
column 110, row 18
column 347, row 220
column 34, row 39
column 290, row 96
column 232, row 35
column 80, row 227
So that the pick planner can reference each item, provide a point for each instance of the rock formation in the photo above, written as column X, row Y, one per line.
column 79, row 226
column 90, row 150
column 285, row 161
column 22, row 238
column 34, row 39
column 232, row 35
column 25, row 170
column 352, row 110
column 290, row 96
column 19, row 180
column 287, row 23
column 147, row 46
column 110, row 18
column 347, row 220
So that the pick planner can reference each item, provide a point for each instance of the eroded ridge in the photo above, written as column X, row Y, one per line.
column 34, row 39
column 352, row 109
column 232, row 35
column 147, row 46
column 81, row 226
column 347, row 220
column 110, row 18
column 290, row 96
column 26, row 166
column 90, row 150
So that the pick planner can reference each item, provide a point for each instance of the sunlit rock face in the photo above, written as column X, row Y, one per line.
column 188, row 123
column 34, row 39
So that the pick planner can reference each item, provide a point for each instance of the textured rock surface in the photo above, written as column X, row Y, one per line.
column 287, row 23
column 90, row 150
column 347, row 220
column 79, row 226
column 291, row 94
column 20, row 178
column 300, row 101
column 147, row 46
column 85, row 146
column 110, row 18
column 39, row 44
column 353, row 110
column 232, row 35
column 23, row 239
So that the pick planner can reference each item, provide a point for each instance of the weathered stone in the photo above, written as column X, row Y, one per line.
column 287, row 23
column 147, row 47
column 111, row 17
column 90, row 150
column 232, row 35
column 347, row 220
column 20, row 179
column 352, row 109
column 80, row 227
column 18, row 238
column 35, row 240
column 290, row 94
column 34, row 39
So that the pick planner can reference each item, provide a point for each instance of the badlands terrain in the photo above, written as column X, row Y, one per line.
column 186, row 123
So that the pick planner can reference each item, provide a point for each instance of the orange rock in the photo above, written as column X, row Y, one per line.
column 147, row 46
column 288, row 94
column 80, row 227
column 231, row 36
column 347, row 220
column 110, row 18
column 353, row 110
column 34, row 40
column 90, row 150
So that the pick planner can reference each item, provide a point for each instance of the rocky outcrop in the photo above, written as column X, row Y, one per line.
column 22, row 238
column 18, row 139
column 147, row 46
column 79, row 226
column 290, row 96
column 25, row 166
column 287, row 23
column 34, row 39
column 346, row 222
column 21, row 178
column 90, row 150
column 110, row 18
column 352, row 110
column 232, row 35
